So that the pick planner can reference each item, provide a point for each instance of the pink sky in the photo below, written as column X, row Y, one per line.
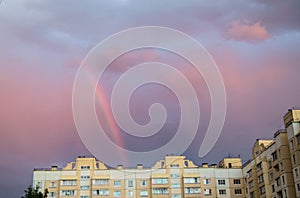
column 255, row 44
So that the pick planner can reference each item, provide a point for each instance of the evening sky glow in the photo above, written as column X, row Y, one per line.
column 255, row 44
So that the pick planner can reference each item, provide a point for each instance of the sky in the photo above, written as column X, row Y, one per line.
column 255, row 44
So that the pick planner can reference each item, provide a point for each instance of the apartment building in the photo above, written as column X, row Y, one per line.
column 172, row 177
column 292, row 125
column 274, row 168
column 272, row 172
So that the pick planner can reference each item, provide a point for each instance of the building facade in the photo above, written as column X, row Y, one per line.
column 273, row 172
column 173, row 177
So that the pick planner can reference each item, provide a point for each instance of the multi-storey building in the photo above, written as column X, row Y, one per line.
column 275, row 165
column 173, row 177
column 273, row 172
column 292, row 125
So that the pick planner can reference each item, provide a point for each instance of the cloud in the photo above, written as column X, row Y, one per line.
column 243, row 31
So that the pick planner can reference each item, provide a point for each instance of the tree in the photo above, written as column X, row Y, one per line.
column 35, row 193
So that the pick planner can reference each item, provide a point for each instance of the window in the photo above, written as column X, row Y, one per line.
column 191, row 180
column 237, row 191
column 221, row 181
column 130, row 193
column 250, row 184
column 68, row 182
column 101, row 182
column 292, row 145
column 273, row 188
column 160, row 181
column 176, row 195
column 158, row 191
column 296, row 173
column 86, row 187
column 85, row 177
column 175, row 175
column 276, row 167
column 84, row 196
column 294, row 158
column 68, row 193
column 52, row 185
column 271, row 176
column 236, row 181
column 207, row 191
column 298, row 187
column 117, row 183
column 298, row 139
column 249, row 173
column 117, row 193
column 143, row 183
column 130, row 183
column 85, row 167
column 191, row 190
column 252, row 195
column 52, row 194
column 259, row 166
column 174, row 166
column 104, row 192
column 206, row 181
column 274, row 156
column 175, row 185
column 144, row 193
column 281, row 166
column 285, row 193
column 262, row 190
column 270, row 164
column 260, row 178
column 283, row 180
column 278, row 182
column 39, row 184
column 222, row 192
